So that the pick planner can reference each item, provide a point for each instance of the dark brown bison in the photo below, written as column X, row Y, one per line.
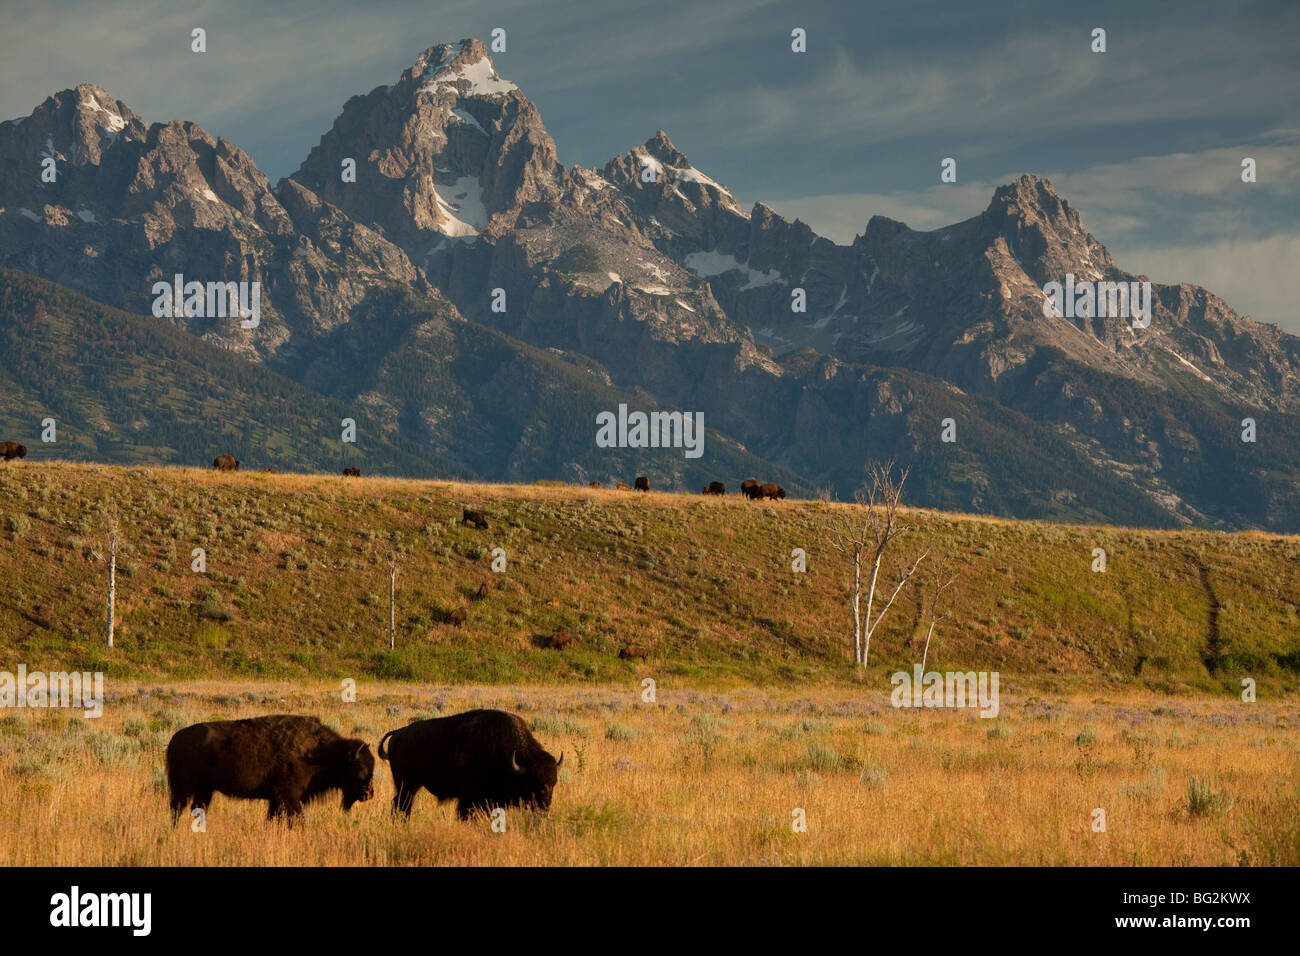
column 284, row 759
column 559, row 640
column 12, row 450
column 458, row 617
column 642, row 483
column 351, row 472
column 715, row 488
column 750, row 489
column 225, row 463
column 482, row 591
column 624, row 487
column 633, row 652
column 477, row 518
column 482, row 759
column 771, row 490
column 593, row 484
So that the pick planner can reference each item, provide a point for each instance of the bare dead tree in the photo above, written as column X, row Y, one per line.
column 865, row 535
column 943, row 580
column 110, row 599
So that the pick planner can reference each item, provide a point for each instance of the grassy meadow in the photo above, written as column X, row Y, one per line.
column 697, row 778
column 1120, row 691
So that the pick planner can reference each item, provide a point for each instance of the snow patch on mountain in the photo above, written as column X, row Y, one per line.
column 462, row 205
column 468, row 118
column 714, row 263
column 482, row 78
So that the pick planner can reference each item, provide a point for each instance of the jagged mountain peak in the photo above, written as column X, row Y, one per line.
column 466, row 68
column 77, row 125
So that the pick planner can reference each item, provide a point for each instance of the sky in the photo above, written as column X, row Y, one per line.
column 1146, row 140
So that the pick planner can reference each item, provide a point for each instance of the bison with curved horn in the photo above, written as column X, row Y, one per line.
column 483, row 759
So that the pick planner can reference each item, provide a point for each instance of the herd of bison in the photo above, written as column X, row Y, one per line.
column 751, row 488
column 482, row 759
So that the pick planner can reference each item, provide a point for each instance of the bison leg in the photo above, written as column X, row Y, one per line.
column 178, row 802
column 405, row 795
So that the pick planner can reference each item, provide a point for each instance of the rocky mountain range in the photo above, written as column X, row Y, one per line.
column 432, row 265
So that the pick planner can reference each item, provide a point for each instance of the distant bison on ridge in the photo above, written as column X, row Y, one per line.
column 772, row 490
column 351, row 472
column 482, row 759
column 643, row 483
column 633, row 652
column 225, row 463
column 12, row 450
column 750, row 488
column 476, row 518
column 284, row 759
column 715, row 488
column 623, row 487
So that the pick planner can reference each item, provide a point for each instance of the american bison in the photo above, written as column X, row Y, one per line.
column 351, row 472
column 458, row 617
column 482, row 759
column 633, row 652
column 750, row 489
column 593, row 484
column 477, row 518
column 624, row 487
column 225, row 463
column 12, row 450
column 642, row 483
column 715, row 488
column 559, row 640
column 284, row 759
column 482, row 592
column 771, row 490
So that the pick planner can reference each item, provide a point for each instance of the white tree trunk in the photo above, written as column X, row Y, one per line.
column 871, row 597
column 925, row 653
column 857, row 612
column 112, row 587
column 392, row 605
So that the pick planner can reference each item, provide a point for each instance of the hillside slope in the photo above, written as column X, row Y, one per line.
column 297, row 577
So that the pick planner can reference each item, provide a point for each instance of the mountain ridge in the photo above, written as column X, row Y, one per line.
column 650, row 271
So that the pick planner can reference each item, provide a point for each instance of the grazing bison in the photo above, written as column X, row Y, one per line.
column 477, row 518
column 593, row 484
column 642, row 483
column 624, row 487
column 750, row 489
column 458, row 617
column 559, row 640
column 284, row 759
column 482, row 759
column 715, row 488
column 633, row 652
column 482, row 592
column 771, row 490
column 351, row 472
column 225, row 463
column 12, row 450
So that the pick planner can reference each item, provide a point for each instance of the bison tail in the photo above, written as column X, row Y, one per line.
column 383, row 754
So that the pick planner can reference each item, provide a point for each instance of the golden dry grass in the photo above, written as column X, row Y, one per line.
column 697, row 778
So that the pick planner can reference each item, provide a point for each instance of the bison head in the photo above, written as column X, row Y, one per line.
column 357, row 774
column 537, row 772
